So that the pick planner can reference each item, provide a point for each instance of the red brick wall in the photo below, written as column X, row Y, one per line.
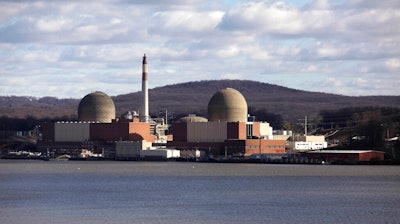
column 267, row 146
column 367, row 156
column 109, row 131
column 252, row 146
column 48, row 131
column 232, row 130
column 242, row 130
column 256, row 129
column 236, row 130
column 140, row 129
column 179, row 131
column 133, row 131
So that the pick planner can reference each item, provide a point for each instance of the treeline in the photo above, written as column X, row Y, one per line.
column 358, row 118
column 27, row 123
column 352, row 116
column 366, row 126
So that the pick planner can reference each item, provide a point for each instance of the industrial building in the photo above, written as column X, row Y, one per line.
column 227, row 131
column 347, row 156
column 310, row 142
column 143, row 150
column 98, row 129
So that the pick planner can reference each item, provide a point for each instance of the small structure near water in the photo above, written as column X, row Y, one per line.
column 347, row 156
column 143, row 150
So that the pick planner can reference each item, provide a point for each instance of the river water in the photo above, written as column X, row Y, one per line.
column 172, row 192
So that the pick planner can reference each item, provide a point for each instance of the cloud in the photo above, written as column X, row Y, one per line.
column 330, row 52
column 69, row 47
column 53, row 25
column 278, row 17
column 333, row 82
column 71, row 23
column 393, row 64
column 317, row 20
column 184, row 22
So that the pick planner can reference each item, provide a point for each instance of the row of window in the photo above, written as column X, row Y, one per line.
column 276, row 146
column 269, row 146
column 255, row 146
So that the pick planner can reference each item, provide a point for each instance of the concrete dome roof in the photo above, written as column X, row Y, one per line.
column 227, row 105
column 96, row 106
column 189, row 119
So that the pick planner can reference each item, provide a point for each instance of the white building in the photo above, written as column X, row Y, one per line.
column 310, row 142
column 128, row 150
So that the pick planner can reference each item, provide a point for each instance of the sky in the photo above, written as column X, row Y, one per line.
column 69, row 48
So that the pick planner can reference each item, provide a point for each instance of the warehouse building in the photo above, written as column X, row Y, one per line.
column 347, row 156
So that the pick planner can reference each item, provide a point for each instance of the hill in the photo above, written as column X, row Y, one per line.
column 193, row 97
column 24, row 106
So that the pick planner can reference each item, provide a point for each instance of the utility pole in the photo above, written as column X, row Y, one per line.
column 166, row 116
column 305, row 124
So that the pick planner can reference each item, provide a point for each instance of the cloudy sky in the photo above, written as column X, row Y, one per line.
column 67, row 48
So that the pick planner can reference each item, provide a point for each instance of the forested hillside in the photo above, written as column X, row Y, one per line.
column 193, row 97
column 291, row 104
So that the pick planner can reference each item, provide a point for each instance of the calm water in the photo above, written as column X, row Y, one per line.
column 168, row 192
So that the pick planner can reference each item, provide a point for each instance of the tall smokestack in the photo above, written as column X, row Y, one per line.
column 145, row 92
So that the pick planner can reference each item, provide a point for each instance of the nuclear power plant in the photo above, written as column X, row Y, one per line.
column 227, row 130
column 99, row 133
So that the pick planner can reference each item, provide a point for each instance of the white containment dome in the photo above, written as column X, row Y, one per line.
column 96, row 107
column 227, row 105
